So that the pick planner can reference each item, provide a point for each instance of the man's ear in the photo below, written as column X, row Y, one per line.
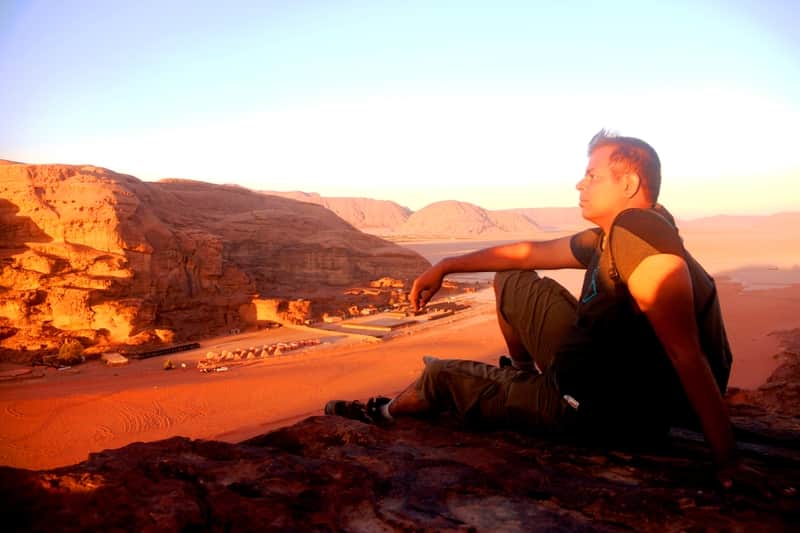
column 632, row 184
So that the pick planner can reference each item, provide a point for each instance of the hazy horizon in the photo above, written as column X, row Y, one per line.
column 682, row 213
column 414, row 103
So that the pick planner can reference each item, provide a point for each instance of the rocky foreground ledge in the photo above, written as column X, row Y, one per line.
column 333, row 474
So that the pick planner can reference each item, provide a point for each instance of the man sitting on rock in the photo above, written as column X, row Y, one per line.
column 644, row 347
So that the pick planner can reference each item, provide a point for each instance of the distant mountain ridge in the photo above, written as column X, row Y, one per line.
column 455, row 219
column 444, row 219
column 553, row 218
column 366, row 214
column 774, row 222
column 451, row 218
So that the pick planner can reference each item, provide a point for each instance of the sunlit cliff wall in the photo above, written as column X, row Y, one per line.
column 92, row 253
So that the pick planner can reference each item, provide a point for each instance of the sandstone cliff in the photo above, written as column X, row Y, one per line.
column 91, row 253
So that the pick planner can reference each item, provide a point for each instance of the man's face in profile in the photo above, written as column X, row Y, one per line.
column 601, row 193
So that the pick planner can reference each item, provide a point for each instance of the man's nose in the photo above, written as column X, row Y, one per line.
column 579, row 185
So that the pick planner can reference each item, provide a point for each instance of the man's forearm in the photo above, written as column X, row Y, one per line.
column 515, row 256
column 556, row 253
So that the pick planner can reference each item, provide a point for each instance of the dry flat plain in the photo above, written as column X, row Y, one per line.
column 60, row 417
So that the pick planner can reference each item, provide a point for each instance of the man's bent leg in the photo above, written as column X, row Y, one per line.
column 534, row 312
column 474, row 392
column 489, row 397
column 480, row 395
column 516, row 349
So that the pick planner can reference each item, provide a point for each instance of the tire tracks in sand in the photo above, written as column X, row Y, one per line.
column 155, row 418
column 44, row 428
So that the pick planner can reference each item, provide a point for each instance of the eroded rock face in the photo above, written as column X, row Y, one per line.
column 92, row 253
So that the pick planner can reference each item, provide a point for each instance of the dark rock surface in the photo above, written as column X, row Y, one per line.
column 328, row 473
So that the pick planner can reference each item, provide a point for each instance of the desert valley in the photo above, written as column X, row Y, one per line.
column 286, row 300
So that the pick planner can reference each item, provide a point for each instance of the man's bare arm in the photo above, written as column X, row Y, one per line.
column 662, row 288
column 552, row 254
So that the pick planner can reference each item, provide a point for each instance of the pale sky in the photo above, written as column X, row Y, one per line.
column 413, row 101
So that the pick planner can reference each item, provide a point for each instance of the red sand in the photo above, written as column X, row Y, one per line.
column 58, row 419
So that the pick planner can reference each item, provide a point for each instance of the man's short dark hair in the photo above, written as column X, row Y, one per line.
column 631, row 155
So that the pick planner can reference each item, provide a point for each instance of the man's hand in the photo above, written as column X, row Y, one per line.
column 425, row 286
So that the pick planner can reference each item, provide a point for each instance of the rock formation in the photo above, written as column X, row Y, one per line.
column 108, row 258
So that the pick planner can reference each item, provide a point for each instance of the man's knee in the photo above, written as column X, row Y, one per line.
column 516, row 278
column 434, row 386
column 430, row 374
column 500, row 280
